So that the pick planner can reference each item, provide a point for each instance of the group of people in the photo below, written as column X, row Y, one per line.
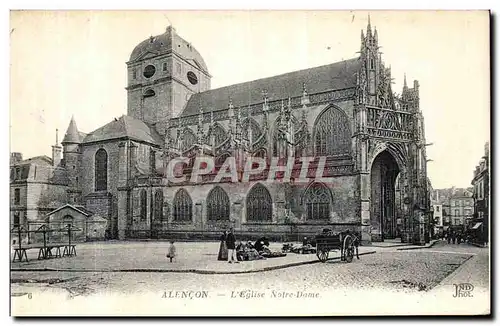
column 455, row 237
column 227, row 249
column 243, row 251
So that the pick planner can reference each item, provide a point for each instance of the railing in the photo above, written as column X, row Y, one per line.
column 274, row 105
column 388, row 123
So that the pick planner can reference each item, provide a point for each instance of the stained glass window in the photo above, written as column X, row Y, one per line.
column 144, row 203
column 101, row 170
column 219, row 161
column 259, row 204
column 159, row 205
column 317, row 202
column 182, row 206
column 218, row 205
column 251, row 124
column 332, row 134
column 188, row 140
column 219, row 134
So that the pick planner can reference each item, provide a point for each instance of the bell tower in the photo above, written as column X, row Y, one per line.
column 163, row 72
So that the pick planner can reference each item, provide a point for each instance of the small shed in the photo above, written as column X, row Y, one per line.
column 85, row 225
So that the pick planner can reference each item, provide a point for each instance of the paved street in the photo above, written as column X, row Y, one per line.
column 402, row 277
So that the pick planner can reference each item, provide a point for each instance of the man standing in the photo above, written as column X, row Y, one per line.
column 231, row 245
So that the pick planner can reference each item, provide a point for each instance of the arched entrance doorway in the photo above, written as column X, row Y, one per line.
column 383, row 219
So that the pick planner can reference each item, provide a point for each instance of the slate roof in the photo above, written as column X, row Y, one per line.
column 166, row 42
column 42, row 159
column 334, row 76
column 78, row 208
column 125, row 126
column 72, row 135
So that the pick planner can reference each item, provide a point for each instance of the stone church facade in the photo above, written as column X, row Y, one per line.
column 346, row 112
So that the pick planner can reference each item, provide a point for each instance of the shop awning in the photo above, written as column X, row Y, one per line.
column 477, row 225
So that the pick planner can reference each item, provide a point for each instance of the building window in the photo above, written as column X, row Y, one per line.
column 457, row 212
column 101, row 170
column 16, row 219
column 457, row 221
column 218, row 205
column 164, row 66
column 182, row 207
column 144, row 203
column 134, row 74
column 219, row 161
column 217, row 135
column 259, row 204
column 159, row 205
column 332, row 135
column 18, row 173
column 317, row 201
column 17, row 196
column 152, row 161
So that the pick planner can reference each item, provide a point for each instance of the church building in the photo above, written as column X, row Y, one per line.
column 346, row 112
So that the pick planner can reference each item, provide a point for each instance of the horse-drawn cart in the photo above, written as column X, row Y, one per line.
column 347, row 242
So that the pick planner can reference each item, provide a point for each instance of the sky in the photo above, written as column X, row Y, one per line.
column 65, row 63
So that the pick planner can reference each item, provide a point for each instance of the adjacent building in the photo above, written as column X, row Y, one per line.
column 481, row 189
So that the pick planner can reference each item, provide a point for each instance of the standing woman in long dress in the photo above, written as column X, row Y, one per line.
column 223, row 247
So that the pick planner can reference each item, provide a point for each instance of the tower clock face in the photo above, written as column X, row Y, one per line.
column 192, row 78
column 149, row 71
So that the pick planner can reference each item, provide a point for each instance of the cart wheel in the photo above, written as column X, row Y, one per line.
column 348, row 249
column 322, row 256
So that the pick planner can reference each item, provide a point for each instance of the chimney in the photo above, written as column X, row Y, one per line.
column 15, row 158
column 56, row 151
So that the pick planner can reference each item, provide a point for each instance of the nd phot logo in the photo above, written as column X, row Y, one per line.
column 463, row 290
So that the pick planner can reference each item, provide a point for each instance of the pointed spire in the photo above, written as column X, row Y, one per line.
column 72, row 135
column 405, row 86
column 57, row 136
column 375, row 36
column 369, row 28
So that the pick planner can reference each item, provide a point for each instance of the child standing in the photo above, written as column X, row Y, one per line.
column 171, row 251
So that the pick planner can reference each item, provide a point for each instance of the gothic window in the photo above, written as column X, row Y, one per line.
column 101, row 170
column 219, row 161
column 332, row 134
column 317, row 202
column 259, row 204
column 158, row 204
column 152, row 161
column 144, row 203
column 260, row 153
column 253, row 126
column 17, row 196
column 182, row 207
column 188, row 141
column 217, row 205
column 219, row 135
